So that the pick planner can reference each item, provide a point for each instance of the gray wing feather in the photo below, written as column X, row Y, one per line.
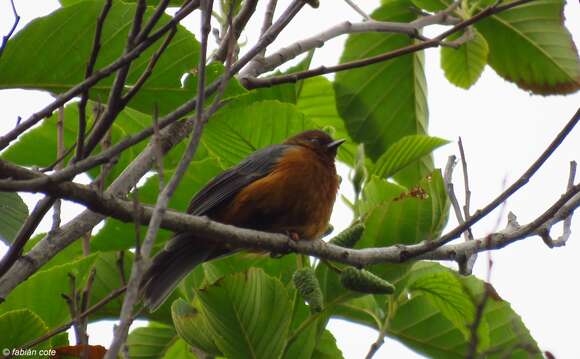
column 230, row 182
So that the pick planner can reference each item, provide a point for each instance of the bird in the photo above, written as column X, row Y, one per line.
column 287, row 188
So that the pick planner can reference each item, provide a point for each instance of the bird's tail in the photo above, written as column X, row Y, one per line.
column 171, row 265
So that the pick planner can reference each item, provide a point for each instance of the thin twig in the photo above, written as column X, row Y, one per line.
column 126, row 316
column 115, row 103
column 251, row 82
column 544, row 233
column 239, row 23
column 97, row 76
column 149, row 70
column 12, row 29
column 88, row 72
column 267, row 22
column 357, row 9
column 114, row 294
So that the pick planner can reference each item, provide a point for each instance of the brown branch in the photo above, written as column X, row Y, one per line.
column 97, row 76
column 251, row 82
column 115, row 103
column 238, row 25
column 6, row 37
column 114, row 294
column 149, row 70
column 88, row 72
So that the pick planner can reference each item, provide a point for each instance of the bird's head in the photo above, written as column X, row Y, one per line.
column 318, row 141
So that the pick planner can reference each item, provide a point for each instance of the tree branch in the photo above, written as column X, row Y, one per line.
column 239, row 24
column 278, row 243
column 251, row 82
column 97, row 76
column 132, row 295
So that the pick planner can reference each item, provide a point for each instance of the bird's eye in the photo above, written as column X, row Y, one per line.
column 314, row 140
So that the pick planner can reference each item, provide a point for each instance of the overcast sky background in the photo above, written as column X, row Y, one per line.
column 503, row 129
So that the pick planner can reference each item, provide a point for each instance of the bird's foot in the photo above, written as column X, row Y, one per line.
column 293, row 236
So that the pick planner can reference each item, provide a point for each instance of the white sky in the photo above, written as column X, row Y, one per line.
column 503, row 129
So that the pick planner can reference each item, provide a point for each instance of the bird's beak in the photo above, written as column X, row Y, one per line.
column 334, row 144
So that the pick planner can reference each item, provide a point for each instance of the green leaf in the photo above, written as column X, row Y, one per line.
column 117, row 235
column 463, row 66
column 192, row 326
column 41, row 293
column 13, row 213
column 396, row 215
column 151, row 342
column 428, row 5
column 63, row 40
column 280, row 268
column 236, row 131
column 247, row 314
column 317, row 101
column 403, row 217
column 404, row 152
column 326, row 347
column 530, row 46
column 19, row 327
column 447, row 294
column 305, row 341
column 179, row 350
column 427, row 326
column 383, row 102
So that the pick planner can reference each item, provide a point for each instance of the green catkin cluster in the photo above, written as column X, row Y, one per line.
column 349, row 236
column 307, row 285
column 360, row 280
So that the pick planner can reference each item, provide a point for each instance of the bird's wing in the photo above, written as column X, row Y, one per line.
column 227, row 184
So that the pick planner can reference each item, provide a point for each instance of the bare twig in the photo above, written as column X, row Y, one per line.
column 357, row 9
column 544, row 232
column 97, row 76
column 126, row 316
column 111, row 296
column 252, row 82
column 115, row 103
column 267, row 22
column 479, row 311
column 88, row 72
column 149, row 70
column 24, row 233
column 239, row 23
column 12, row 29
